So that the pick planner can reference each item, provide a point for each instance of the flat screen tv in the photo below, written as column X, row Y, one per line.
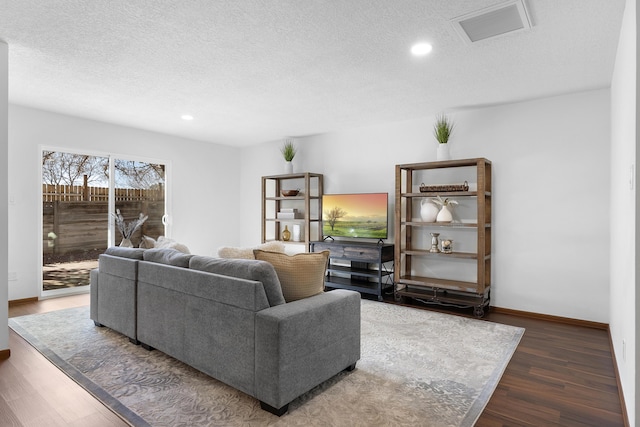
column 362, row 215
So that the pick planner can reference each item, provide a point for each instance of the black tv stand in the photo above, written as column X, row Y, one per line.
column 365, row 267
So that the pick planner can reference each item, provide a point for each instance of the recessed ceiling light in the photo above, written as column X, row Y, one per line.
column 186, row 117
column 421, row 49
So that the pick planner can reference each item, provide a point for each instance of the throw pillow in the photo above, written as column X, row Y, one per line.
column 147, row 242
column 165, row 243
column 301, row 275
column 247, row 253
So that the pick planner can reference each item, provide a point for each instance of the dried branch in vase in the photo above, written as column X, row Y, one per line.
column 127, row 230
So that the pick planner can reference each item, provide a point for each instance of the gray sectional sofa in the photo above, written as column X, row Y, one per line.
column 228, row 319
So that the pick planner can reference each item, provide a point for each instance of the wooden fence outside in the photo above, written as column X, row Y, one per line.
column 75, row 218
column 85, row 193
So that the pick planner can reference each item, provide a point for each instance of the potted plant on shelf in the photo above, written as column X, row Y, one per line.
column 442, row 130
column 288, row 151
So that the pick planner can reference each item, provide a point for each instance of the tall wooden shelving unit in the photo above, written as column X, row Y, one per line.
column 308, row 203
column 412, row 253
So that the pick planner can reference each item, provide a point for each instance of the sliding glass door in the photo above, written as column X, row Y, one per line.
column 74, row 211
column 90, row 202
column 139, row 197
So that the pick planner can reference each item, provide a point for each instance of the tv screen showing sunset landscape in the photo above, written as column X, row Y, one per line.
column 355, row 215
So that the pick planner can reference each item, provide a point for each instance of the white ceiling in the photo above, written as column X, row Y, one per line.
column 252, row 71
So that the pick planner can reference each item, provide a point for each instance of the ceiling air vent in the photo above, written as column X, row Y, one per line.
column 493, row 21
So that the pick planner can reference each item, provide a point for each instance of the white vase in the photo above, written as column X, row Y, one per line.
column 428, row 210
column 443, row 152
column 126, row 243
column 288, row 167
column 445, row 214
column 296, row 232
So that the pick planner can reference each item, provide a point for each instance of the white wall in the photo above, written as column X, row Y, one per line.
column 204, row 183
column 4, row 147
column 550, row 201
column 624, row 319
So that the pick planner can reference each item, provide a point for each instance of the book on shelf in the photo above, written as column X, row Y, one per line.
column 289, row 210
column 289, row 215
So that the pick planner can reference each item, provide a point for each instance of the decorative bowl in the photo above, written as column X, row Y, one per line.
column 290, row 193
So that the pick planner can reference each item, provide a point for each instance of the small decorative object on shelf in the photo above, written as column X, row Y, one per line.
column 445, row 214
column 290, row 193
column 296, row 232
column 434, row 243
column 447, row 246
column 286, row 234
column 289, row 213
column 440, row 188
column 428, row 210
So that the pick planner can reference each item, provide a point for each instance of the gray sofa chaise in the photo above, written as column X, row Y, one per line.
column 228, row 319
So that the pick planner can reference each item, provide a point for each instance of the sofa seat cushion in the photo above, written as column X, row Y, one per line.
column 133, row 253
column 167, row 256
column 301, row 275
column 247, row 253
column 244, row 269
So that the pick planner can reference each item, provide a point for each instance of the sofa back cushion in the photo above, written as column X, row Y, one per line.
column 301, row 275
column 178, row 282
column 243, row 269
column 167, row 256
column 133, row 253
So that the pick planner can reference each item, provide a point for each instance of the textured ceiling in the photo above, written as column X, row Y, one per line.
column 252, row 71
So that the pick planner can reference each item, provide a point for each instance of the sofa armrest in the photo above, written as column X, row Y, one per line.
column 94, row 274
column 303, row 343
column 113, row 300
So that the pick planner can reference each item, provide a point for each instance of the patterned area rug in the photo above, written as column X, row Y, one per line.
column 418, row 368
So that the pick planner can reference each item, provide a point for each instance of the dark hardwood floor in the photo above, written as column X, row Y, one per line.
column 560, row 375
column 33, row 392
